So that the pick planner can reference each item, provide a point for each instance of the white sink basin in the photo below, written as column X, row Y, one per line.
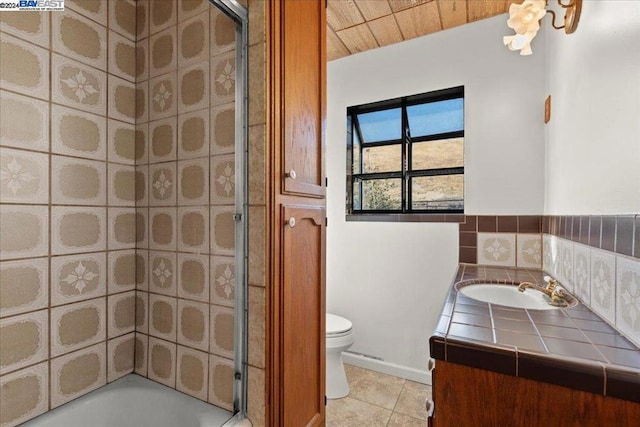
column 507, row 295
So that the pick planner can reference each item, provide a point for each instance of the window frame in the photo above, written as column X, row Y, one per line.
column 407, row 173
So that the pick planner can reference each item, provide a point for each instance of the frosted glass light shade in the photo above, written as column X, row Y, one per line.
column 525, row 18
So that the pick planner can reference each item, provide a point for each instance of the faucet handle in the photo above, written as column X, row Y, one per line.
column 558, row 291
column 551, row 282
column 559, row 297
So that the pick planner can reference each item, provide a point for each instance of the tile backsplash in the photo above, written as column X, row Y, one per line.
column 501, row 240
column 596, row 258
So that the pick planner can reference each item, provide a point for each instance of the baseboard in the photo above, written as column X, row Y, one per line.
column 406, row 372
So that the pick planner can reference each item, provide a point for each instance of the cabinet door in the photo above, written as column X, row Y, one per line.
column 303, row 316
column 303, row 89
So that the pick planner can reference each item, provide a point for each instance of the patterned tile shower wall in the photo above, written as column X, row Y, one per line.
column 185, row 88
column 117, row 163
column 67, row 203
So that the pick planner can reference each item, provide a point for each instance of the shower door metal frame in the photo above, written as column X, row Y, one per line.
column 240, row 16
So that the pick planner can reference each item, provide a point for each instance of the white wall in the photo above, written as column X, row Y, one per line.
column 390, row 279
column 593, row 141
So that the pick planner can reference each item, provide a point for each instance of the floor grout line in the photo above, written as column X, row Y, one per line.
column 368, row 403
column 395, row 405
column 391, row 412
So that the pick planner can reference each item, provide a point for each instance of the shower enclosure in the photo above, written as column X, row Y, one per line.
column 196, row 203
column 123, row 203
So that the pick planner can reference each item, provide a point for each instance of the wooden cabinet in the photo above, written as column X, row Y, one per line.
column 296, row 217
column 303, row 66
column 465, row 396
column 303, row 82
column 303, row 340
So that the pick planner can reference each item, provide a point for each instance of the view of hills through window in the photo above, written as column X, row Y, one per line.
column 406, row 155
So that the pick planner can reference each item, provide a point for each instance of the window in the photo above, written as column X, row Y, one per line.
column 405, row 155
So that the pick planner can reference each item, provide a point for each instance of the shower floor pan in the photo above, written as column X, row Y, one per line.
column 134, row 401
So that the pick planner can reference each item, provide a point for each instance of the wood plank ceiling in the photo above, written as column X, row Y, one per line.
column 357, row 25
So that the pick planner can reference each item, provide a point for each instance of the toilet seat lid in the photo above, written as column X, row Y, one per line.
column 337, row 324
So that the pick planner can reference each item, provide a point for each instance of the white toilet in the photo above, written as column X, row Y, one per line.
column 340, row 337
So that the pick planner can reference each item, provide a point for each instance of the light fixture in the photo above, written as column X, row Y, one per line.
column 525, row 19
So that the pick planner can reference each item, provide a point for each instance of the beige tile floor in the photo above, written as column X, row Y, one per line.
column 379, row 399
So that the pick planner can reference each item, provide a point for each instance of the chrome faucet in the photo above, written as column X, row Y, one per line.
column 557, row 296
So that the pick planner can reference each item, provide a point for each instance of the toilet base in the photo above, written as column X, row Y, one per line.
column 336, row 385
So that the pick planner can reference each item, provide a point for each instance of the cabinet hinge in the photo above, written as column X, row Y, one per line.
column 325, row 400
column 326, row 181
column 326, row 221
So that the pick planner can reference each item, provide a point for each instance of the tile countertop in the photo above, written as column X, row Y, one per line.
column 571, row 347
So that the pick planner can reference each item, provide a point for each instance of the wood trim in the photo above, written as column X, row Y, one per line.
column 323, row 106
column 272, row 134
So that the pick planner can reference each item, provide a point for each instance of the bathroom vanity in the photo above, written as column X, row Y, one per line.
column 505, row 366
